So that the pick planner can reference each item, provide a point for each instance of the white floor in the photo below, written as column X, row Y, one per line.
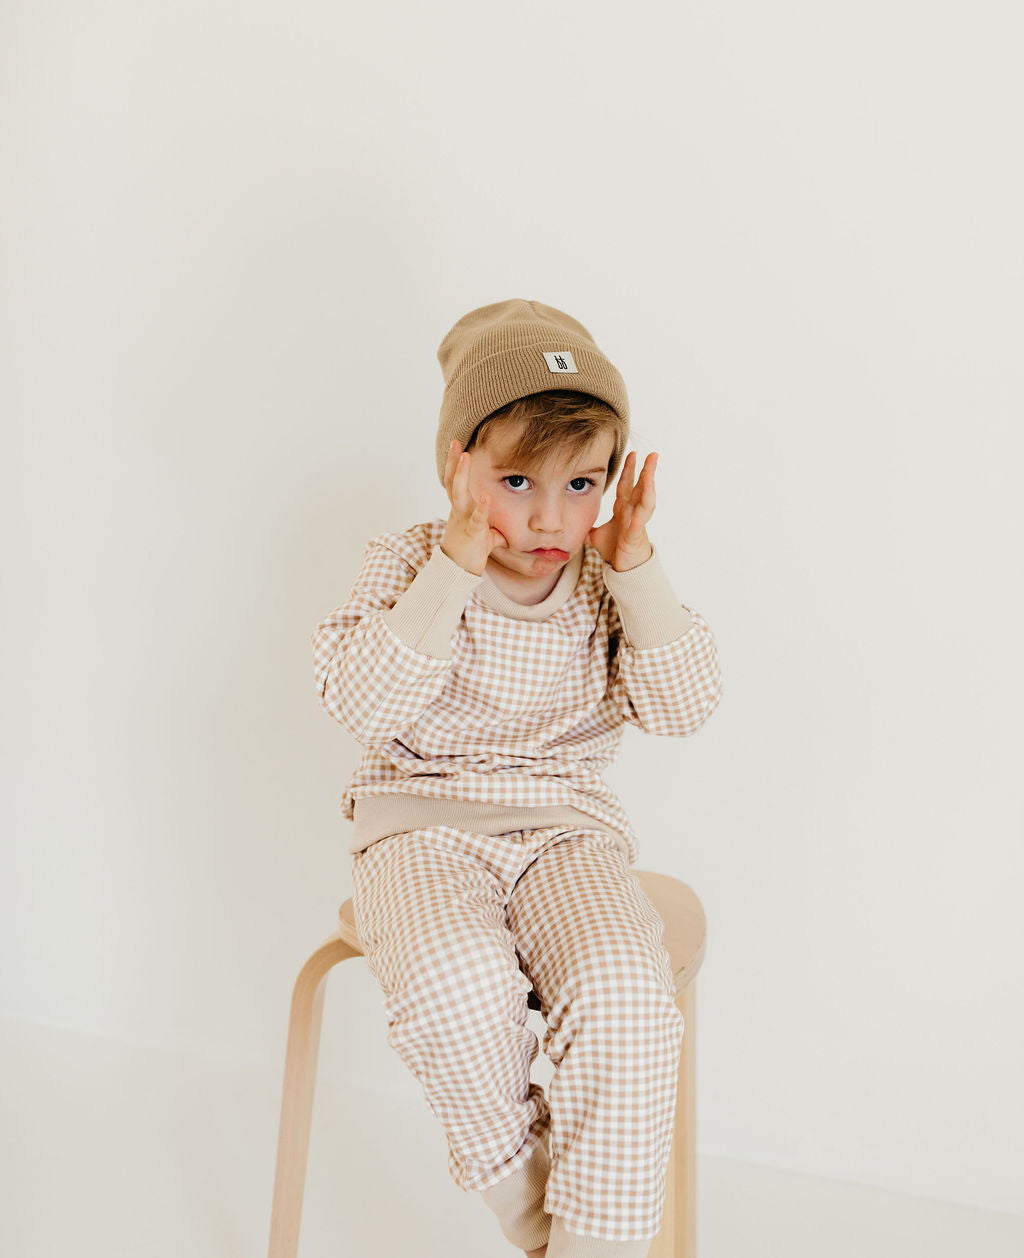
column 109, row 1149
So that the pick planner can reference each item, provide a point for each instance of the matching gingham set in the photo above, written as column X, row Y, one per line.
column 459, row 919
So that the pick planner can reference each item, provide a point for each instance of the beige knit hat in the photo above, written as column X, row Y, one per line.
column 511, row 349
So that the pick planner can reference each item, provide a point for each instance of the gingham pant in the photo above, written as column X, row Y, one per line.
column 456, row 926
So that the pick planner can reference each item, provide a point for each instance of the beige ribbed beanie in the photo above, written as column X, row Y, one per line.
column 511, row 349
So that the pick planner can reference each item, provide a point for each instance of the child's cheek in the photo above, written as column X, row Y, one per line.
column 497, row 508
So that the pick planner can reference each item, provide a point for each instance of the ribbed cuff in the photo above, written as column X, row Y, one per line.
column 565, row 1244
column 429, row 609
column 651, row 614
column 518, row 1201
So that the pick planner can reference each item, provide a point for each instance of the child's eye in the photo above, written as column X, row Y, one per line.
column 581, row 481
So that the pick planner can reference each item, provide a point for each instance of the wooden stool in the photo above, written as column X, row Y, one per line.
column 685, row 928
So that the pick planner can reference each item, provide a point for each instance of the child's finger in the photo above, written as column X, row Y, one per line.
column 451, row 463
column 638, row 522
column 620, row 484
column 624, row 488
column 649, row 491
column 473, row 508
column 462, row 499
column 450, row 474
column 644, row 501
column 644, row 489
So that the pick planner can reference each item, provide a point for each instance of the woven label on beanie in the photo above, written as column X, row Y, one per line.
column 560, row 361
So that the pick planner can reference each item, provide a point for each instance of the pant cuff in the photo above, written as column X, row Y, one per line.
column 518, row 1201
column 566, row 1244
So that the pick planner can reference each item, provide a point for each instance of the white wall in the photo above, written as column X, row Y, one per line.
column 233, row 237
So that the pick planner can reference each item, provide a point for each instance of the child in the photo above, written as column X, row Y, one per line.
column 487, row 662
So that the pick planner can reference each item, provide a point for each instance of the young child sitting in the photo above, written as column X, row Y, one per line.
column 488, row 662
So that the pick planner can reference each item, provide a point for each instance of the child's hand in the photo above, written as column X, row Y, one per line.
column 468, row 538
column 622, row 541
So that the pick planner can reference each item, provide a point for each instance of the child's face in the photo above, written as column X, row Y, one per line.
column 553, row 508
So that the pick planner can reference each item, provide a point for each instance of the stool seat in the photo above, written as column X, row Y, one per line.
column 677, row 905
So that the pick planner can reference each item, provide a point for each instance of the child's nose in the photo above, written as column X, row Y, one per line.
column 547, row 515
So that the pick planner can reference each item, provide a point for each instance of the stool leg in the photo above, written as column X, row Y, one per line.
column 685, row 1187
column 663, row 1245
column 297, row 1100
column 678, row 1235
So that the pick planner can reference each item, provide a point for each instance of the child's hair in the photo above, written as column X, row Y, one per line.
column 557, row 421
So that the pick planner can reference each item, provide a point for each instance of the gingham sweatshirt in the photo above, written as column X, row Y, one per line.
column 489, row 715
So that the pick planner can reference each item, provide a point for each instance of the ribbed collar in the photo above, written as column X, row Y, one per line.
column 489, row 593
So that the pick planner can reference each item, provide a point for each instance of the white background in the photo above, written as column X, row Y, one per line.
column 233, row 237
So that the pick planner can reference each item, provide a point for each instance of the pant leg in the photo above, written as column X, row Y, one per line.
column 590, row 940
column 430, row 915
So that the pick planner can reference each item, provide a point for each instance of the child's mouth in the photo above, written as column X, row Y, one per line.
column 551, row 554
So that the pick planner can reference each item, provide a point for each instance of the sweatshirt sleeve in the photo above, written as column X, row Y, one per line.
column 384, row 656
column 664, row 676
